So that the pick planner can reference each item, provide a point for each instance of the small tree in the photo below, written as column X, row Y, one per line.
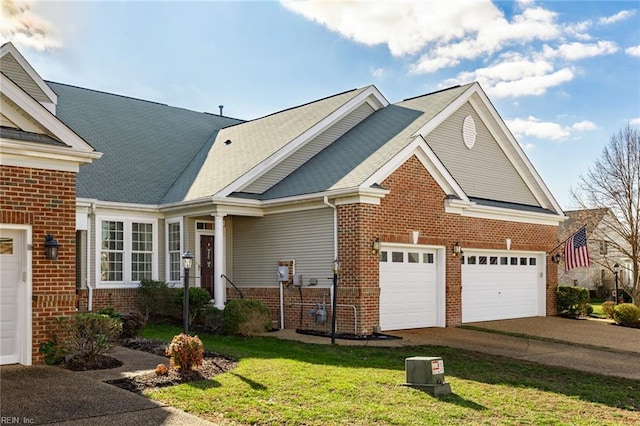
column 614, row 183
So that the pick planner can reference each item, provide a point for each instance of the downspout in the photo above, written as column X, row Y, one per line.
column 89, row 284
column 335, row 240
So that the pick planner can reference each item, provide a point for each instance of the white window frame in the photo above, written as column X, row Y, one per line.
column 179, row 221
column 127, row 222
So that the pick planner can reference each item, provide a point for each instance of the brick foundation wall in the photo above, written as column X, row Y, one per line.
column 46, row 200
column 416, row 203
column 121, row 299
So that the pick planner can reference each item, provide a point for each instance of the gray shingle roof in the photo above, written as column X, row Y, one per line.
column 147, row 146
column 255, row 141
column 353, row 158
column 21, row 135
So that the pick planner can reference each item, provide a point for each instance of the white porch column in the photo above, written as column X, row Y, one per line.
column 219, row 247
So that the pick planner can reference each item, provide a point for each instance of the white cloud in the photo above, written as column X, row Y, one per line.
column 378, row 73
column 635, row 121
column 405, row 28
column 633, row 50
column 623, row 14
column 584, row 125
column 23, row 28
column 576, row 50
column 516, row 76
column 534, row 127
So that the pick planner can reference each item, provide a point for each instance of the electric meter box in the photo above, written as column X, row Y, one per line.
column 428, row 373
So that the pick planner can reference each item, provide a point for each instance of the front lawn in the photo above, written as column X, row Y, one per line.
column 283, row 382
column 597, row 308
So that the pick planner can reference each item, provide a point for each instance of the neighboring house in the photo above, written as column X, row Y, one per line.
column 603, row 254
column 430, row 205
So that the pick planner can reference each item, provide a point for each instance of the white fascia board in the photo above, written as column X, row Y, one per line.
column 537, row 186
column 113, row 208
column 475, row 210
column 292, row 146
column 26, row 149
column 43, row 116
column 9, row 48
column 429, row 160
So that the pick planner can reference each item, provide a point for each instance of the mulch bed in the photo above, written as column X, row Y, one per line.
column 212, row 365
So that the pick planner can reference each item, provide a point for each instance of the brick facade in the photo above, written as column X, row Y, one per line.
column 416, row 203
column 45, row 200
column 121, row 299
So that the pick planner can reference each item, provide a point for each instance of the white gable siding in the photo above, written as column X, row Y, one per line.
column 303, row 236
column 310, row 149
column 483, row 171
column 5, row 122
column 12, row 69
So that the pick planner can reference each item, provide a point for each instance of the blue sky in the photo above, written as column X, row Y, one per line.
column 564, row 75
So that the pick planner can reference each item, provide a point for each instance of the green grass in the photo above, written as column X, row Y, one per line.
column 597, row 308
column 283, row 382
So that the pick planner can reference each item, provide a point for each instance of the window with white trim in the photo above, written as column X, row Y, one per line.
column 126, row 250
column 174, row 250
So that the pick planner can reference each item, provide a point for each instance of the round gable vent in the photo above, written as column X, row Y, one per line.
column 469, row 131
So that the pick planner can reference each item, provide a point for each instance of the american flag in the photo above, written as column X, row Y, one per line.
column 576, row 253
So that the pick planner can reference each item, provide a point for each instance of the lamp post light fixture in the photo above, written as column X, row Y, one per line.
column 616, row 269
column 51, row 247
column 187, row 262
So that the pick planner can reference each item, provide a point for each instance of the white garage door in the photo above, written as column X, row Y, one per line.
column 502, row 285
column 408, row 288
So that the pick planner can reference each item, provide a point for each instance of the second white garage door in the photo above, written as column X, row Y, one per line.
column 502, row 285
column 408, row 288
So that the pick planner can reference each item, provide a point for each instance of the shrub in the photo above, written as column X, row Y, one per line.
column 109, row 311
column 198, row 299
column 209, row 319
column 608, row 307
column 132, row 324
column 626, row 314
column 185, row 352
column 87, row 334
column 153, row 299
column 243, row 317
column 52, row 352
column 573, row 302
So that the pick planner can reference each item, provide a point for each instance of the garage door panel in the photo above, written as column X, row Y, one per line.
column 500, row 291
column 407, row 289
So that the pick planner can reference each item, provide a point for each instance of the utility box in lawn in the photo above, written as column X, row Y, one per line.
column 427, row 373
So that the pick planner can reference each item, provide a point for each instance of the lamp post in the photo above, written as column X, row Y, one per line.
column 616, row 268
column 187, row 261
column 336, row 269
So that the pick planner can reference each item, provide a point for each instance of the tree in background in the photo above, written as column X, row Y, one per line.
column 614, row 183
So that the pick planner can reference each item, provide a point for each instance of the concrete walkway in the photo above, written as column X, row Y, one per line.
column 52, row 395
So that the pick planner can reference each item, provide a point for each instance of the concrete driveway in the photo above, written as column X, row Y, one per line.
column 586, row 345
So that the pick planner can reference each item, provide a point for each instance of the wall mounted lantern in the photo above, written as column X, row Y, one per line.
column 457, row 250
column 375, row 246
column 51, row 247
column 556, row 258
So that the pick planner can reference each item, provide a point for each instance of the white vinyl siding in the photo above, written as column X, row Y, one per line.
column 483, row 171
column 259, row 243
column 309, row 150
column 12, row 69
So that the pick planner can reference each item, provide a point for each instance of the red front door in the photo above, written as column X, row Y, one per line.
column 206, row 263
